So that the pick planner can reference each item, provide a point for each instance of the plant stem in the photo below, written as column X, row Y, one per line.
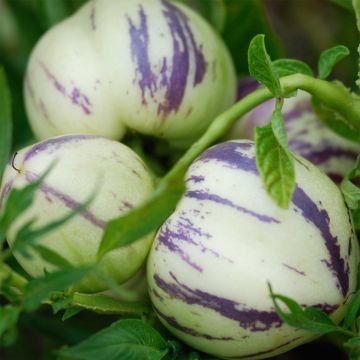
column 331, row 94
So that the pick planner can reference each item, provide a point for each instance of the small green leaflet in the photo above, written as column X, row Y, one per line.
column 40, row 288
column 5, row 122
column 275, row 165
column 352, row 310
column 260, row 65
column 9, row 316
column 52, row 257
column 28, row 236
column 285, row 67
column 141, row 221
column 19, row 200
column 123, row 340
column 350, row 191
column 334, row 120
column 310, row 319
column 329, row 58
column 60, row 304
column 70, row 312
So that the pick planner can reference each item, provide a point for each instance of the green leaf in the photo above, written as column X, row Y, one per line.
column 260, row 65
column 125, row 340
column 19, row 200
column 104, row 304
column 329, row 58
column 28, row 236
column 70, row 312
column 60, row 304
column 5, row 122
column 141, row 221
column 350, row 191
column 351, row 194
column 285, row 67
column 352, row 310
column 39, row 289
column 335, row 121
column 52, row 257
column 275, row 166
column 310, row 319
column 9, row 316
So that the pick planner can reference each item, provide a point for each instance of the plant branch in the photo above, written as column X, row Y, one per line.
column 335, row 96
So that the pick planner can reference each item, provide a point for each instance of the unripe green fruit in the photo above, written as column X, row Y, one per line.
column 154, row 66
column 84, row 165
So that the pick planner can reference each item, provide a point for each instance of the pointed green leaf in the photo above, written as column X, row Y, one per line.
column 60, row 304
column 334, row 120
column 70, row 312
column 28, row 236
column 310, row 319
column 285, row 67
column 141, row 221
column 260, row 65
column 125, row 340
column 52, row 257
column 39, row 289
column 275, row 166
column 329, row 58
column 351, row 191
column 19, row 200
column 352, row 310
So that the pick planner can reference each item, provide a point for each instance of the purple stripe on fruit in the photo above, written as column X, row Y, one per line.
column 52, row 145
column 140, row 54
column 68, row 201
column 206, row 196
column 320, row 219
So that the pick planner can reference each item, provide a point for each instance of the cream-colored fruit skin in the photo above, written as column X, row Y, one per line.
column 92, row 51
column 111, row 172
column 242, row 254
